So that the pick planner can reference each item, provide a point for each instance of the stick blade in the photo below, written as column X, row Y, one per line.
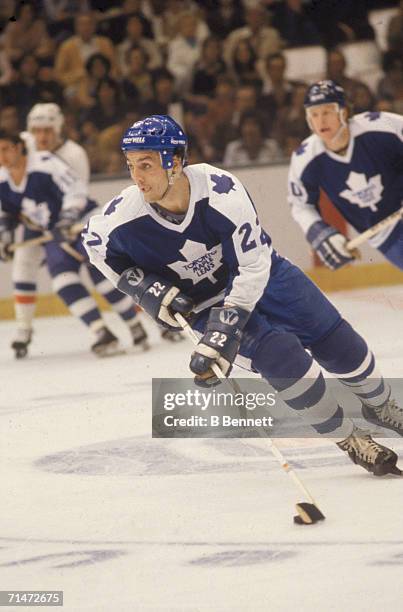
column 308, row 514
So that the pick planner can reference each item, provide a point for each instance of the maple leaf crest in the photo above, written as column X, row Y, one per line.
column 223, row 183
column 38, row 213
column 372, row 115
column 301, row 149
column 363, row 192
column 199, row 264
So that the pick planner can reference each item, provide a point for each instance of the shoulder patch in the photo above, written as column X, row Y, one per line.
column 223, row 183
column 372, row 115
column 112, row 206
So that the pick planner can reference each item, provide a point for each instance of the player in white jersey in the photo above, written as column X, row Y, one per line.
column 358, row 163
column 44, row 124
column 187, row 239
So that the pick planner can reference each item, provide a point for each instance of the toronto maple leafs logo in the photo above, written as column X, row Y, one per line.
column 364, row 193
column 38, row 213
column 199, row 264
column 223, row 183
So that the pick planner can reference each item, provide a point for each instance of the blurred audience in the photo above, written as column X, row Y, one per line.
column 216, row 66
column 252, row 147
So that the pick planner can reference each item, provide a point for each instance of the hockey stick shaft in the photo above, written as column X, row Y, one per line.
column 47, row 237
column 235, row 387
column 369, row 233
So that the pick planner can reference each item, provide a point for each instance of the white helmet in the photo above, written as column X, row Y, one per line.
column 45, row 115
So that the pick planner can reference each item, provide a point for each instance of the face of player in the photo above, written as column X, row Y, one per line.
column 46, row 138
column 325, row 122
column 148, row 174
column 10, row 154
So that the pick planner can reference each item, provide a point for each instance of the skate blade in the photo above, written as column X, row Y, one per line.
column 110, row 350
column 141, row 347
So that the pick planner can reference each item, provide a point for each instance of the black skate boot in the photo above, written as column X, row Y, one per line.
column 21, row 343
column 373, row 457
column 107, row 344
column 171, row 336
column 389, row 415
column 139, row 336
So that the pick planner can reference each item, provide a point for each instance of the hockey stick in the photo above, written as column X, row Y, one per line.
column 308, row 512
column 47, row 237
column 393, row 218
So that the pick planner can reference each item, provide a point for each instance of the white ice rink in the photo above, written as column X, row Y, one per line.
column 90, row 504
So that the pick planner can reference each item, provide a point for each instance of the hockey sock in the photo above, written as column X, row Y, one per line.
column 71, row 290
column 283, row 362
column 122, row 304
column 345, row 354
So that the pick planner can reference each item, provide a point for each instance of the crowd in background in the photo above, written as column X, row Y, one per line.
column 216, row 66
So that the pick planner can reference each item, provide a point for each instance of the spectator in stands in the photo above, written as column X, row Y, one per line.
column 76, row 50
column 108, row 109
column 112, row 20
column 208, row 68
column 224, row 16
column 264, row 39
column 97, row 67
column 60, row 16
column 291, row 18
column 9, row 119
column 135, row 38
column 165, row 101
column 395, row 31
column 6, row 71
column 252, row 148
column 243, row 62
column 390, row 87
column 24, row 91
column 290, row 121
column 27, row 34
column 184, row 51
column 363, row 100
column 277, row 90
column 171, row 17
column 137, row 86
column 50, row 89
column 247, row 100
column 214, row 130
column 336, row 71
column 341, row 21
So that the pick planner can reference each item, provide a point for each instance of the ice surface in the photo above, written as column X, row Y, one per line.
column 92, row 505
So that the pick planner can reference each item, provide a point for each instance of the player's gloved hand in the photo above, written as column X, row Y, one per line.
column 7, row 226
column 158, row 297
column 62, row 231
column 330, row 245
column 219, row 344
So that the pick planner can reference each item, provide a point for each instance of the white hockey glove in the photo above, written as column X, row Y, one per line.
column 158, row 297
column 62, row 231
column 330, row 245
column 7, row 226
column 219, row 344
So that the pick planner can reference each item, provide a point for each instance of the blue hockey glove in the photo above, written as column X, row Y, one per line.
column 159, row 298
column 219, row 344
column 62, row 231
column 330, row 245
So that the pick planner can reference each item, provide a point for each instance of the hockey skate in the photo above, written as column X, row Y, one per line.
column 389, row 415
column 139, row 337
column 373, row 457
column 107, row 345
column 21, row 343
column 171, row 335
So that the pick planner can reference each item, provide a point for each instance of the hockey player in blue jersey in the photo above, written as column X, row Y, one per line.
column 358, row 162
column 43, row 190
column 187, row 239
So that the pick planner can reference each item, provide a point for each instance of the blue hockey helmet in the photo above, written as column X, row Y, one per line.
column 325, row 92
column 156, row 133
